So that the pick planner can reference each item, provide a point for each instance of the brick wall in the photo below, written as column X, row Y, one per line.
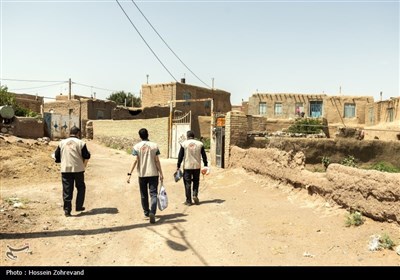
column 158, row 131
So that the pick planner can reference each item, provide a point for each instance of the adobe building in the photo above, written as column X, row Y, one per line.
column 162, row 94
column 382, row 120
column 335, row 111
column 76, row 110
column 29, row 101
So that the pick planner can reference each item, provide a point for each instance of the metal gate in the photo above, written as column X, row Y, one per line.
column 220, row 142
column 180, row 125
column 58, row 126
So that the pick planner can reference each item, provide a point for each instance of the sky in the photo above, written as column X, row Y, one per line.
column 243, row 47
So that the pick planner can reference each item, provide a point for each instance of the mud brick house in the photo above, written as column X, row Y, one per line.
column 162, row 94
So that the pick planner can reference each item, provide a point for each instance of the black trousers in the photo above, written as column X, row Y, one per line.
column 191, row 176
column 147, row 184
column 68, row 180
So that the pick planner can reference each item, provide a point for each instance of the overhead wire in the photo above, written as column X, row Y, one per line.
column 144, row 40
column 162, row 39
column 38, row 81
column 93, row 87
column 38, row 86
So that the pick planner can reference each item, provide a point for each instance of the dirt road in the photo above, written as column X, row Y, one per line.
column 243, row 219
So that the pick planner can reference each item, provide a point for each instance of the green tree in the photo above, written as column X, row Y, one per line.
column 120, row 97
column 6, row 98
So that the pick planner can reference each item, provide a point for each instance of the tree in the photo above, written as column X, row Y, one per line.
column 6, row 98
column 120, row 97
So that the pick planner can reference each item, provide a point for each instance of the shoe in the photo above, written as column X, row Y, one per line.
column 80, row 209
column 146, row 216
column 67, row 214
column 152, row 218
column 188, row 203
column 196, row 200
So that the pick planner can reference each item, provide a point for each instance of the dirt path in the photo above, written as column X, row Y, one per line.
column 243, row 219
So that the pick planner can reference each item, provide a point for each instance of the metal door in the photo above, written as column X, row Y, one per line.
column 180, row 125
column 58, row 126
column 220, row 146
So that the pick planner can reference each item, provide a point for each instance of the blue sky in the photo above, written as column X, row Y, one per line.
column 246, row 46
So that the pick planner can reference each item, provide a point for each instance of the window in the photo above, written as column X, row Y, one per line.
column 349, row 110
column 100, row 114
column 262, row 108
column 299, row 108
column 187, row 96
column 371, row 115
column 315, row 109
column 390, row 112
column 207, row 104
column 278, row 108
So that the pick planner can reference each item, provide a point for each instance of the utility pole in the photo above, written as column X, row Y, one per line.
column 212, row 84
column 69, row 88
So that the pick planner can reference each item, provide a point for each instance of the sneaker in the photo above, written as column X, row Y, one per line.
column 67, row 214
column 80, row 209
column 196, row 200
column 152, row 218
column 188, row 203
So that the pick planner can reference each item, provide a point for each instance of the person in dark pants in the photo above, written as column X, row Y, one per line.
column 149, row 171
column 73, row 155
column 191, row 153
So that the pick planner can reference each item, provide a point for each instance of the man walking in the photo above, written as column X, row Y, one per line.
column 73, row 155
column 191, row 153
column 149, row 171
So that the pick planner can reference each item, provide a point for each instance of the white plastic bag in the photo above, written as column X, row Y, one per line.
column 162, row 198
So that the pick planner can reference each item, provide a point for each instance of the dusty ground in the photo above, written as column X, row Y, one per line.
column 243, row 219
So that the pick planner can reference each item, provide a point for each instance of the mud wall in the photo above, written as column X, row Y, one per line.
column 123, row 134
column 376, row 194
column 24, row 127
column 366, row 152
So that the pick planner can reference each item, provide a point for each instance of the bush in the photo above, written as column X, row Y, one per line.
column 386, row 242
column 354, row 219
column 349, row 161
column 385, row 167
column 307, row 126
column 24, row 112
column 326, row 161
column 206, row 143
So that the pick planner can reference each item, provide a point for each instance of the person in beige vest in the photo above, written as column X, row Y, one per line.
column 73, row 155
column 191, row 153
column 149, row 171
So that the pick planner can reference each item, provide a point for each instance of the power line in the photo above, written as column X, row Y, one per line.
column 146, row 42
column 162, row 39
column 38, row 81
column 39, row 86
column 93, row 87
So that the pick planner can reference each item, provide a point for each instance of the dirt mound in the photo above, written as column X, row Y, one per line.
column 26, row 160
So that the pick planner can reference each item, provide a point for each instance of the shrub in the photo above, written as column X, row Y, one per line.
column 326, row 161
column 206, row 143
column 385, row 167
column 307, row 126
column 354, row 219
column 349, row 161
column 386, row 242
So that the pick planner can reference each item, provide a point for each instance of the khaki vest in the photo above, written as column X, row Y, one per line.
column 192, row 157
column 146, row 152
column 71, row 155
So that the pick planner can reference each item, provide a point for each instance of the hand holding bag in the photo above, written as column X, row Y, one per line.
column 162, row 198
